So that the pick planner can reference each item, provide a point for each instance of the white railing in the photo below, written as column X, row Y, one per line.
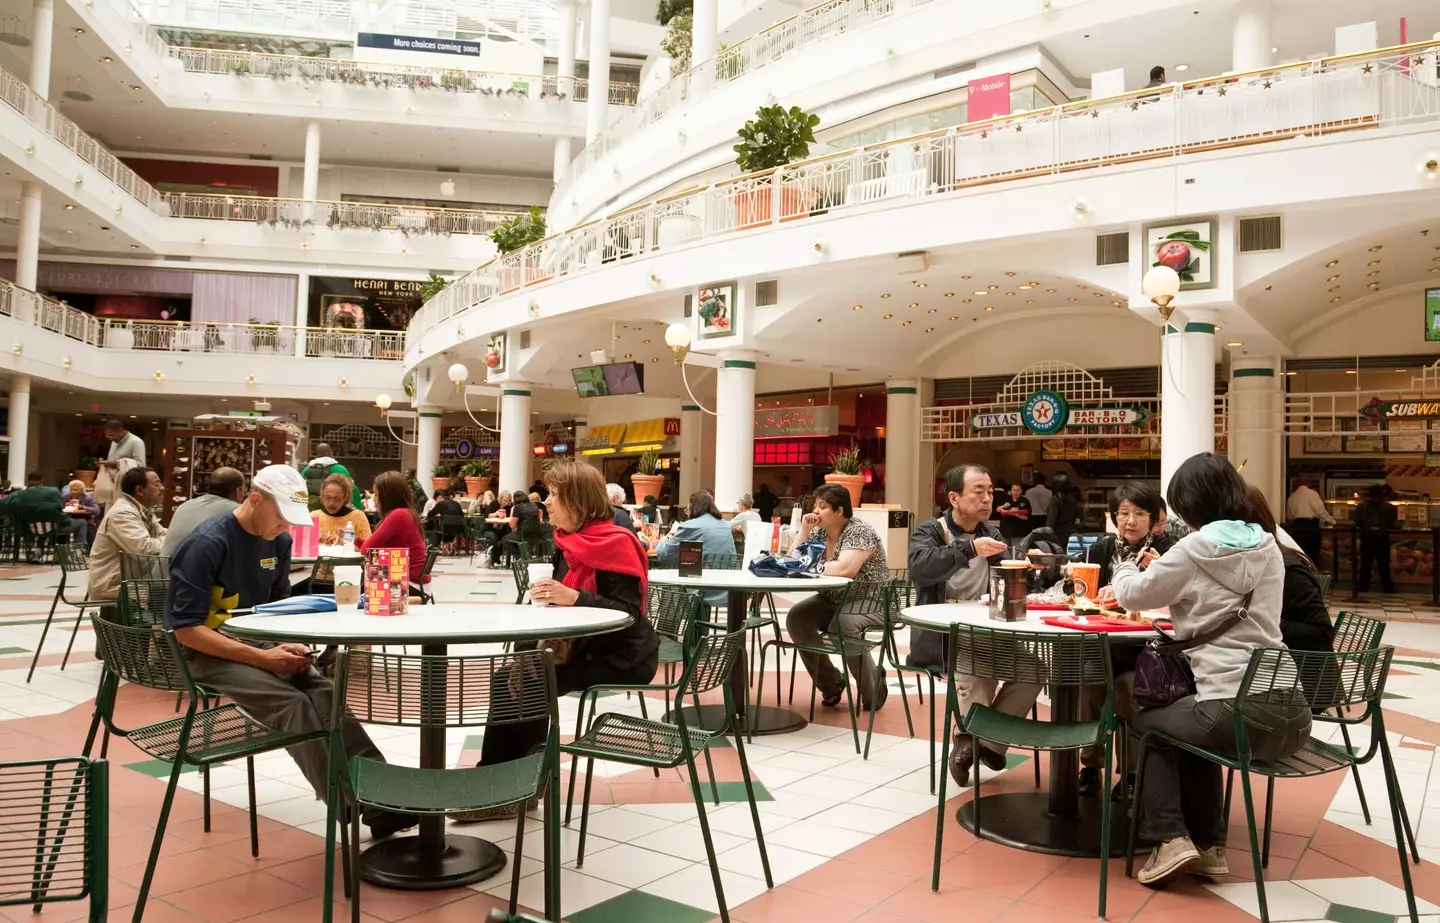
column 18, row 96
column 817, row 25
column 953, row 423
column 286, row 17
column 47, row 313
column 1325, row 96
column 249, row 339
column 254, row 64
column 299, row 213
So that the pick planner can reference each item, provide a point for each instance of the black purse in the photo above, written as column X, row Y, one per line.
column 1163, row 674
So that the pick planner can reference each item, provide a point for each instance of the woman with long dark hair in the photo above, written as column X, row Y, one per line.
column 399, row 525
column 1304, row 621
column 1064, row 509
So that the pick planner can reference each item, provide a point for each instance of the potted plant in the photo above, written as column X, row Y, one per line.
column 85, row 469
column 432, row 286
column 849, row 472
column 648, row 481
column 263, row 335
column 477, row 476
column 515, row 234
column 775, row 137
column 440, row 477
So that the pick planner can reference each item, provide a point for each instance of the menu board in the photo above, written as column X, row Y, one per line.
column 1407, row 436
column 692, row 558
column 387, row 581
column 1370, row 442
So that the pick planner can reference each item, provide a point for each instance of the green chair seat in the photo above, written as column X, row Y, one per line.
column 829, row 645
column 997, row 727
column 216, row 735
column 438, row 791
column 637, row 741
column 671, row 651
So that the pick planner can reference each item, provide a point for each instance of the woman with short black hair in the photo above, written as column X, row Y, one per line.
column 1223, row 583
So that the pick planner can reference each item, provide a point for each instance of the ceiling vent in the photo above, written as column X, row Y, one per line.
column 1112, row 249
column 524, row 339
column 688, row 305
column 1260, row 235
column 767, row 293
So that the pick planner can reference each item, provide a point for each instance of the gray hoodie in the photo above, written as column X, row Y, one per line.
column 1203, row 579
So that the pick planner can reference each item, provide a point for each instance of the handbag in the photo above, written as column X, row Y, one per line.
column 1162, row 672
column 807, row 559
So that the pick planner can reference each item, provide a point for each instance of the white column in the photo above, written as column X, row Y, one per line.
column 902, row 440
column 41, row 43
column 581, row 428
column 1187, row 394
column 427, row 453
column 565, row 68
column 1255, row 426
column 734, row 427
column 704, row 31
column 310, row 180
column 597, row 109
column 27, row 247
column 691, row 438
column 302, row 311
column 1250, row 41
column 19, row 427
column 515, row 435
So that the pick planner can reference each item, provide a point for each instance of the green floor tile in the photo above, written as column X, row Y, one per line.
column 1394, row 695
column 639, row 907
column 1015, row 759
column 1341, row 913
column 473, row 741
column 731, row 791
column 13, row 650
column 158, row 769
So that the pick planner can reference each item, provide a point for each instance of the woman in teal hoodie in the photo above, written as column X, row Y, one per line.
column 1225, row 564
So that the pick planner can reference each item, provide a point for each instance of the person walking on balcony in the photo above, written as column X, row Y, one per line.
column 1157, row 77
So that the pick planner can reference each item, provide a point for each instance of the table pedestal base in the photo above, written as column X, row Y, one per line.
column 1023, row 820
column 771, row 720
column 400, row 863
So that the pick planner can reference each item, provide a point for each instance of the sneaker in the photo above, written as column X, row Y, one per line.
column 1089, row 782
column 503, row 812
column 961, row 755
column 1169, row 859
column 384, row 824
column 1211, row 863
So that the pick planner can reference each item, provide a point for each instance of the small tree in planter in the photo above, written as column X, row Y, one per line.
column 477, row 476
column 433, row 286
column 440, row 477
column 775, row 137
column 648, row 481
column 517, row 233
column 677, row 43
column 849, row 472
column 264, row 335
column 85, row 469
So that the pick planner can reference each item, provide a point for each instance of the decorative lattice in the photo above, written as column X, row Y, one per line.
column 356, row 440
column 1064, row 378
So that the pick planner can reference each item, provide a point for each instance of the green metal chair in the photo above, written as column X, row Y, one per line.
column 519, row 566
column 857, row 597
column 52, row 852
column 1325, row 681
column 538, row 539
column 200, row 737
column 74, row 559
column 144, row 566
column 897, row 597
column 1054, row 660
column 432, row 554
column 435, row 693
column 621, row 738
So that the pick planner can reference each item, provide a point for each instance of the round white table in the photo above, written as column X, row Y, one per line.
column 434, row 859
column 741, row 585
column 1056, row 821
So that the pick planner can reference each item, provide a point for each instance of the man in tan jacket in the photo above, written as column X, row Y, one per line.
column 129, row 526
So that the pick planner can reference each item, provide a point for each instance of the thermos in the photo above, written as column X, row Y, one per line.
column 1009, row 585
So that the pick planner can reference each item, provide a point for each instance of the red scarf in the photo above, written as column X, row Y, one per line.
column 602, row 545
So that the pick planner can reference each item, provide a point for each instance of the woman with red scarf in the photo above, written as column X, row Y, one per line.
column 599, row 565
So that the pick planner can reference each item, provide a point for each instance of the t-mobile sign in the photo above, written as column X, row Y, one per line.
column 988, row 98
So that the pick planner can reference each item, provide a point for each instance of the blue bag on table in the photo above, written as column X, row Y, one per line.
column 806, row 559
column 298, row 605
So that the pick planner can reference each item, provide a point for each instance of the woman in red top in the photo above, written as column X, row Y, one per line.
column 399, row 526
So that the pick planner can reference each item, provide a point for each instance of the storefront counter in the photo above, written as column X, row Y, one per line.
column 1412, row 559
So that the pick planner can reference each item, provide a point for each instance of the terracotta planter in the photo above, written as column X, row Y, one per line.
column 646, row 485
column 474, row 487
column 854, row 483
column 753, row 207
column 86, row 477
column 439, row 484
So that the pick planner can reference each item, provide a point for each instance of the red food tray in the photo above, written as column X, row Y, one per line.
column 1047, row 607
column 1094, row 624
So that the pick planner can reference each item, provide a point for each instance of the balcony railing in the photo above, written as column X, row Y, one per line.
column 250, row 339
column 254, row 64
column 1321, row 97
column 48, row 314
column 299, row 213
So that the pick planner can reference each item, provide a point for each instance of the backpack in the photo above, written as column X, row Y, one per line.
column 315, row 476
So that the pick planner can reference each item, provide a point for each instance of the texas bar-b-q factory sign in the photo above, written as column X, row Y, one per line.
column 1046, row 413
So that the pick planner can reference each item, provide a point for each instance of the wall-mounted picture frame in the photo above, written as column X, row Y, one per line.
column 717, row 310
column 1189, row 248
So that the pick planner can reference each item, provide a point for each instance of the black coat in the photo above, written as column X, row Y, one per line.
column 932, row 561
column 1103, row 553
column 1304, row 621
column 624, row 649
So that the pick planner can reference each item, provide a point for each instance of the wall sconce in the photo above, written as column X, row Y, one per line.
column 819, row 246
column 202, row 241
column 681, row 136
column 1161, row 284
column 1428, row 166
column 249, row 379
column 204, row 94
column 534, row 312
column 159, row 375
column 655, row 280
column 119, row 209
column 79, row 181
column 18, row 348
column 344, row 382
column 65, row 362
column 677, row 337
column 458, row 373
column 30, row 149
column 1082, row 209
column 459, row 330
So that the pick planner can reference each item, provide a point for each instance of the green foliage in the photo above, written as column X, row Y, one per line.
column 476, row 468
column 442, row 471
column 85, row 463
column 520, row 231
column 433, row 286
column 667, row 10
column 676, row 43
column 775, row 137
column 848, row 461
column 649, row 462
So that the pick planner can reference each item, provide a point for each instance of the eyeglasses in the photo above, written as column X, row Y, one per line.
column 1122, row 517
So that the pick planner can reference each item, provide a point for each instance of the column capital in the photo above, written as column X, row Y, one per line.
column 738, row 359
column 902, row 386
column 1254, row 367
column 515, row 388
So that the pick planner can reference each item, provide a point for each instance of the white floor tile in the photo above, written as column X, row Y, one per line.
column 621, row 824
column 785, row 863
column 631, row 866
column 1285, row 900
column 577, row 890
column 686, row 842
column 1368, row 892
column 861, row 819
column 695, row 886
column 822, row 839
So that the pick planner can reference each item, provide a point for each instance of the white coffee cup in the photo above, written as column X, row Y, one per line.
column 539, row 572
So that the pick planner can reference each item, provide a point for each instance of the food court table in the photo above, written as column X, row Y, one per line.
column 1037, row 821
column 332, row 554
column 434, row 859
column 742, row 586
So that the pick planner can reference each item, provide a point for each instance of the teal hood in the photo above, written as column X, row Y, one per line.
column 1232, row 533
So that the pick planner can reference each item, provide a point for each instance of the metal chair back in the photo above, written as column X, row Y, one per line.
column 142, row 602
column 1356, row 633
column 55, row 838
column 720, row 561
column 73, row 558
column 144, row 566
column 672, row 611
column 712, row 661
column 1321, row 679
column 1045, row 658
column 862, row 598
column 452, row 526
column 437, row 691
column 141, row 655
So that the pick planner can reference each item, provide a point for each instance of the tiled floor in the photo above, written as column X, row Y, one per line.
column 847, row 839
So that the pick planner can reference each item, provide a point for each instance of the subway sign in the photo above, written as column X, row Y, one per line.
column 1377, row 410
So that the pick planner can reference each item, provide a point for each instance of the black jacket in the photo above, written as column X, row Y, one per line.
column 931, row 563
column 1103, row 553
column 1063, row 513
column 624, row 649
column 1304, row 621
column 623, row 519
column 1375, row 516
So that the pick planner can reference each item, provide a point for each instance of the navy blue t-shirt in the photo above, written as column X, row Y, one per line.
column 221, row 568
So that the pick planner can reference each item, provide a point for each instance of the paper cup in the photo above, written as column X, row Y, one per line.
column 1087, row 579
column 539, row 572
column 347, row 586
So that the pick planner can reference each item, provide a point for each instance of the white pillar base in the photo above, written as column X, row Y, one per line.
column 734, row 427
column 902, row 440
column 1187, row 395
column 515, row 447
column 19, row 429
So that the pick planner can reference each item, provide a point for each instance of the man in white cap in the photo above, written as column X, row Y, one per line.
column 236, row 561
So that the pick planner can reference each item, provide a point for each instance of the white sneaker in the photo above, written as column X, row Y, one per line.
column 1211, row 863
column 1169, row 859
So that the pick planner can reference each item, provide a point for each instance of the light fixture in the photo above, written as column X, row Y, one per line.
column 949, row 294
column 249, row 379
column 1332, row 264
column 654, row 280
column 1081, row 209
column 887, row 316
column 907, row 323
column 989, row 308
column 1161, row 284
column 159, row 375
column 954, row 317
column 981, row 291
column 344, row 382
column 1332, row 278
column 1428, row 166
column 107, row 60
column 677, row 337
column 914, row 304
column 885, row 295
column 458, row 374
column 819, row 246
column 1026, row 288
column 65, row 362
column 1373, row 263
column 856, row 308
column 17, row 349
column 70, row 208
column 383, row 401
column 1377, row 248
column 921, row 285
column 1234, row 344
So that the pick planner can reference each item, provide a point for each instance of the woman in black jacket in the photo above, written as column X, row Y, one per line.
column 1304, row 621
column 1064, row 509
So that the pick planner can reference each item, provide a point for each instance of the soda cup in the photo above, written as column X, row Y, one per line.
column 1087, row 579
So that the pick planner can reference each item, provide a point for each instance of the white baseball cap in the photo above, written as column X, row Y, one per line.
column 285, row 485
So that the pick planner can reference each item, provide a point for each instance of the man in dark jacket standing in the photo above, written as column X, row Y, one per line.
column 950, row 561
column 1375, row 516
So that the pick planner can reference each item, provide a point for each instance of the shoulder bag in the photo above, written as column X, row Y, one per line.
column 1163, row 674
